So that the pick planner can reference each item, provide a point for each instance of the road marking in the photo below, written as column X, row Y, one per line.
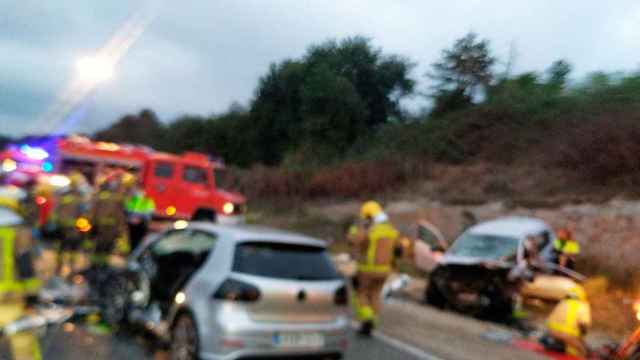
column 410, row 349
column 400, row 345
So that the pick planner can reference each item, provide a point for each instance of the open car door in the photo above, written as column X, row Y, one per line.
column 429, row 246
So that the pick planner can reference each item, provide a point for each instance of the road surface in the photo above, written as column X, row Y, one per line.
column 80, row 344
column 410, row 332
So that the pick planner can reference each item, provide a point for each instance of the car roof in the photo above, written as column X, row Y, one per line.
column 514, row 226
column 245, row 233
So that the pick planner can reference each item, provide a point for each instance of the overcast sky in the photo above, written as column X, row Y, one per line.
column 199, row 56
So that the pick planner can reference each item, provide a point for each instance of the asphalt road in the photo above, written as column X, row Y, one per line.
column 410, row 332
column 80, row 344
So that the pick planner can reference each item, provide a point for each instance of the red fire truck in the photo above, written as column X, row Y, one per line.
column 183, row 186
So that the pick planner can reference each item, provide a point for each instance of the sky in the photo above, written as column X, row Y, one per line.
column 200, row 56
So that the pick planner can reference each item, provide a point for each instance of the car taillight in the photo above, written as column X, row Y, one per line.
column 341, row 296
column 235, row 290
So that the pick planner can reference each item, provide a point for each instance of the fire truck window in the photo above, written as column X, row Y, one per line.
column 163, row 170
column 195, row 175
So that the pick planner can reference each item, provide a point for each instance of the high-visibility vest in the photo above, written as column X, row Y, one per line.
column 568, row 315
column 567, row 247
column 108, row 209
column 10, row 280
column 140, row 205
column 68, row 210
column 381, row 243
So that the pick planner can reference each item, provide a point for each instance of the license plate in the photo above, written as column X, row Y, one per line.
column 293, row 340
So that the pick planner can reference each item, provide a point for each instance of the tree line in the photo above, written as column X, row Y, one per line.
column 343, row 99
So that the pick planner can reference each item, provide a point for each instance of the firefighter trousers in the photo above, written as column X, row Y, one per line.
column 24, row 346
column 369, row 295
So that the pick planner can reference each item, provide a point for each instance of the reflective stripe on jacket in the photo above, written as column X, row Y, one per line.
column 568, row 316
column 68, row 210
column 140, row 205
column 11, row 281
column 381, row 240
column 567, row 247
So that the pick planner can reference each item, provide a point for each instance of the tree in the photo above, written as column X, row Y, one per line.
column 463, row 73
column 4, row 141
column 333, row 113
column 143, row 128
column 558, row 74
column 336, row 92
column 275, row 112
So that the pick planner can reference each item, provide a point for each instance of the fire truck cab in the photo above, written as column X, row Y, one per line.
column 186, row 187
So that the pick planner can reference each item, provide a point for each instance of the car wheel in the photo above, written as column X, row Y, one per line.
column 185, row 344
column 434, row 297
column 204, row 215
column 115, row 294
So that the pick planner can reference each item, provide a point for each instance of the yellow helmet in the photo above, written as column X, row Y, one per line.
column 76, row 179
column 577, row 292
column 128, row 180
column 11, row 196
column 370, row 209
column 44, row 189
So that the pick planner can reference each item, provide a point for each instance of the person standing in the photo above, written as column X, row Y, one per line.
column 374, row 243
column 70, row 209
column 567, row 249
column 18, row 284
column 107, row 216
column 139, row 209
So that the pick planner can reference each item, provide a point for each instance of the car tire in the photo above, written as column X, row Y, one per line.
column 185, row 343
column 205, row 215
column 434, row 297
column 500, row 311
column 114, row 296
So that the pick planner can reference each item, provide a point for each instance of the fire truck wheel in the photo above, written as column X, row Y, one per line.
column 204, row 215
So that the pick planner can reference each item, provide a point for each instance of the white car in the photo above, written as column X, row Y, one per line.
column 475, row 273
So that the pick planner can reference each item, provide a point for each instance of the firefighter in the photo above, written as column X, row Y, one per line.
column 374, row 243
column 570, row 320
column 107, row 217
column 18, row 284
column 567, row 249
column 71, row 222
column 28, row 207
column 139, row 209
column 45, row 199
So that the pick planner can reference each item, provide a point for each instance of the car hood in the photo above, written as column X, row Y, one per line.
column 472, row 261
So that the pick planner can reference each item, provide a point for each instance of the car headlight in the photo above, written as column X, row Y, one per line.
column 228, row 208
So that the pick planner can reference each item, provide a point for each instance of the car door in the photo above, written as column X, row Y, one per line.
column 195, row 189
column 160, row 181
column 147, row 270
column 429, row 246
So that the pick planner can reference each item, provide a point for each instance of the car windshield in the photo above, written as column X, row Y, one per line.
column 284, row 261
column 488, row 247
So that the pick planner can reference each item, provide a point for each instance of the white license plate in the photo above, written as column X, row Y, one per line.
column 293, row 340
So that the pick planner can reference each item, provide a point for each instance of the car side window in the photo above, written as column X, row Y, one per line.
column 164, row 170
column 195, row 174
column 170, row 242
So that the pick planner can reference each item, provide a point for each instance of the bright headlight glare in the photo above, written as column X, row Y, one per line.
column 228, row 208
column 9, row 165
